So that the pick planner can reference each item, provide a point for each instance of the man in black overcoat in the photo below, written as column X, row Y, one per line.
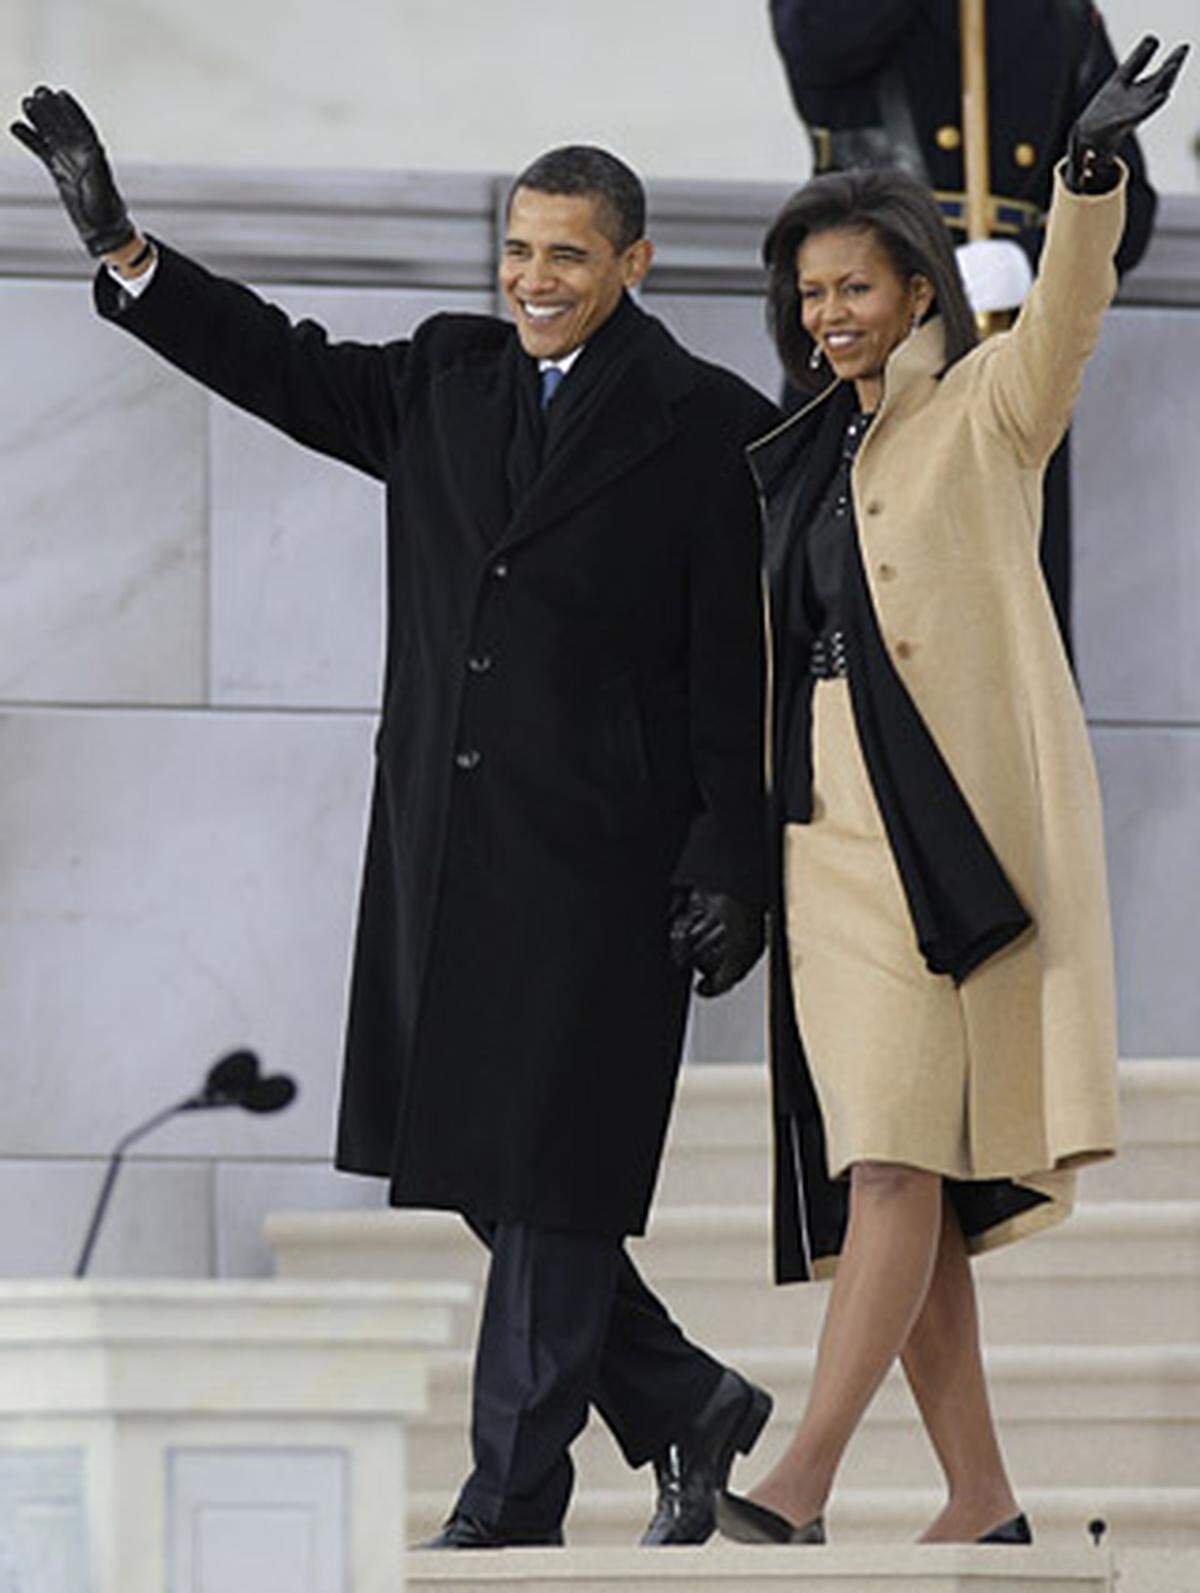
column 879, row 83
column 568, row 767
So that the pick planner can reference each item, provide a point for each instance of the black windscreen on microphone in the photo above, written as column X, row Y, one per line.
column 231, row 1077
column 270, row 1095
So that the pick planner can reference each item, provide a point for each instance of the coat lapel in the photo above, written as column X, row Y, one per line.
column 478, row 400
column 629, row 418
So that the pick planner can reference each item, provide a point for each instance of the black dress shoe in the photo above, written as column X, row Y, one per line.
column 468, row 1532
column 1017, row 1530
column 747, row 1522
column 694, row 1469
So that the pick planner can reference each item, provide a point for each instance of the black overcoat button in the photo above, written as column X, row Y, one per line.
column 468, row 758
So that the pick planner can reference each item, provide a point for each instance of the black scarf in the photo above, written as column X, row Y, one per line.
column 962, row 905
column 537, row 434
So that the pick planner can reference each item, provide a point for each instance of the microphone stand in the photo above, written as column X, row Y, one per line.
column 114, row 1167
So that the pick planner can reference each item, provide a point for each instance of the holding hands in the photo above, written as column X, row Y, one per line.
column 718, row 936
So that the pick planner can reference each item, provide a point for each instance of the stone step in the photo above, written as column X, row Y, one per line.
column 1136, row 1517
column 1122, row 1272
column 1078, row 1417
column 725, row 1568
column 717, row 1152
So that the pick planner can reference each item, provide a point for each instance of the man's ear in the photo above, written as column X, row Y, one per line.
column 636, row 261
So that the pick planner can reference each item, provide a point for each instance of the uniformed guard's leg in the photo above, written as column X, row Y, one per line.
column 1056, row 536
column 548, row 1301
column 652, row 1379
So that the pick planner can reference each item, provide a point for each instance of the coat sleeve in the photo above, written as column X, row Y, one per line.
column 827, row 43
column 726, row 846
column 338, row 398
column 1030, row 377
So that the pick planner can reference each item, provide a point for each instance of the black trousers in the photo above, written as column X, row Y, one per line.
column 567, row 1323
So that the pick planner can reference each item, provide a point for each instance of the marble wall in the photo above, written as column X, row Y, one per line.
column 190, row 614
column 682, row 89
column 189, row 662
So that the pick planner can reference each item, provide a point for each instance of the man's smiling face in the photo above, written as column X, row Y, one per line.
column 561, row 274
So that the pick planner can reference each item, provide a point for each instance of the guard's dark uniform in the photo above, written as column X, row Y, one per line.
column 878, row 83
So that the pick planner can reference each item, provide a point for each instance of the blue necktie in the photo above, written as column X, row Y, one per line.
column 551, row 379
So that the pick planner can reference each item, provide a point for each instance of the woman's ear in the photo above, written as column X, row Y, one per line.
column 923, row 297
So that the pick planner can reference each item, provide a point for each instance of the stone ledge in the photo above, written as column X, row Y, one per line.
column 439, row 229
column 736, row 1569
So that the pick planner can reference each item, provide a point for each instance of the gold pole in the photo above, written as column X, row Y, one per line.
column 976, row 161
column 977, row 175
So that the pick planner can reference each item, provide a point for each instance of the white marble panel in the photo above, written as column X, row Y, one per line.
column 268, row 1520
column 297, row 539
column 43, row 1525
column 1136, row 479
column 247, row 1191
column 727, row 329
column 102, row 529
column 173, row 885
column 158, row 1223
column 1151, row 784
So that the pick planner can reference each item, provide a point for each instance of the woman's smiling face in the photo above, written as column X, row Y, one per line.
column 855, row 306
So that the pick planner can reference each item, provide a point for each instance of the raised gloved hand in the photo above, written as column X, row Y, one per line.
column 62, row 137
column 1118, row 106
column 719, row 936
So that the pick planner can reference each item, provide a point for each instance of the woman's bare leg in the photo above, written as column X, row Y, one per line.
column 882, row 1278
column 944, row 1366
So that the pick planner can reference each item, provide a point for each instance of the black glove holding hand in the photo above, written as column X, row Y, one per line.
column 63, row 139
column 717, row 935
column 1116, row 108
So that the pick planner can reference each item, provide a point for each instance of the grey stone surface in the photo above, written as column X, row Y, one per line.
column 102, row 528
column 173, row 885
column 297, row 539
column 733, row 1027
column 246, row 1192
column 1136, row 478
column 724, row 328
column 158, row 1223
column 1151, row 784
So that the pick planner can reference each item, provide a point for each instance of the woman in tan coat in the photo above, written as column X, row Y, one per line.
column 943, row 1029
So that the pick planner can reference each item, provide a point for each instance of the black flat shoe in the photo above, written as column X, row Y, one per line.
column 746, row 1522
column 462, row 1531
column 1017, row 1530
column 693, row 1469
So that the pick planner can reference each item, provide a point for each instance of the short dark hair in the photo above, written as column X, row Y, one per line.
column 903, row 215
column 594, row 173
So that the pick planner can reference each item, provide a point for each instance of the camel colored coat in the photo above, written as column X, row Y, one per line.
column 947, row 495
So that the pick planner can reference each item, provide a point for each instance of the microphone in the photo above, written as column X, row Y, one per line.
column 234, row 1080
column 270, row 1095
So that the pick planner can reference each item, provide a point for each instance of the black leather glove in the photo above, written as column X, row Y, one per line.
column 1116, row 108
column 64, row 140
column 717, row 935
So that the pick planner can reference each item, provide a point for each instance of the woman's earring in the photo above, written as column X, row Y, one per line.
column 814, row 359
